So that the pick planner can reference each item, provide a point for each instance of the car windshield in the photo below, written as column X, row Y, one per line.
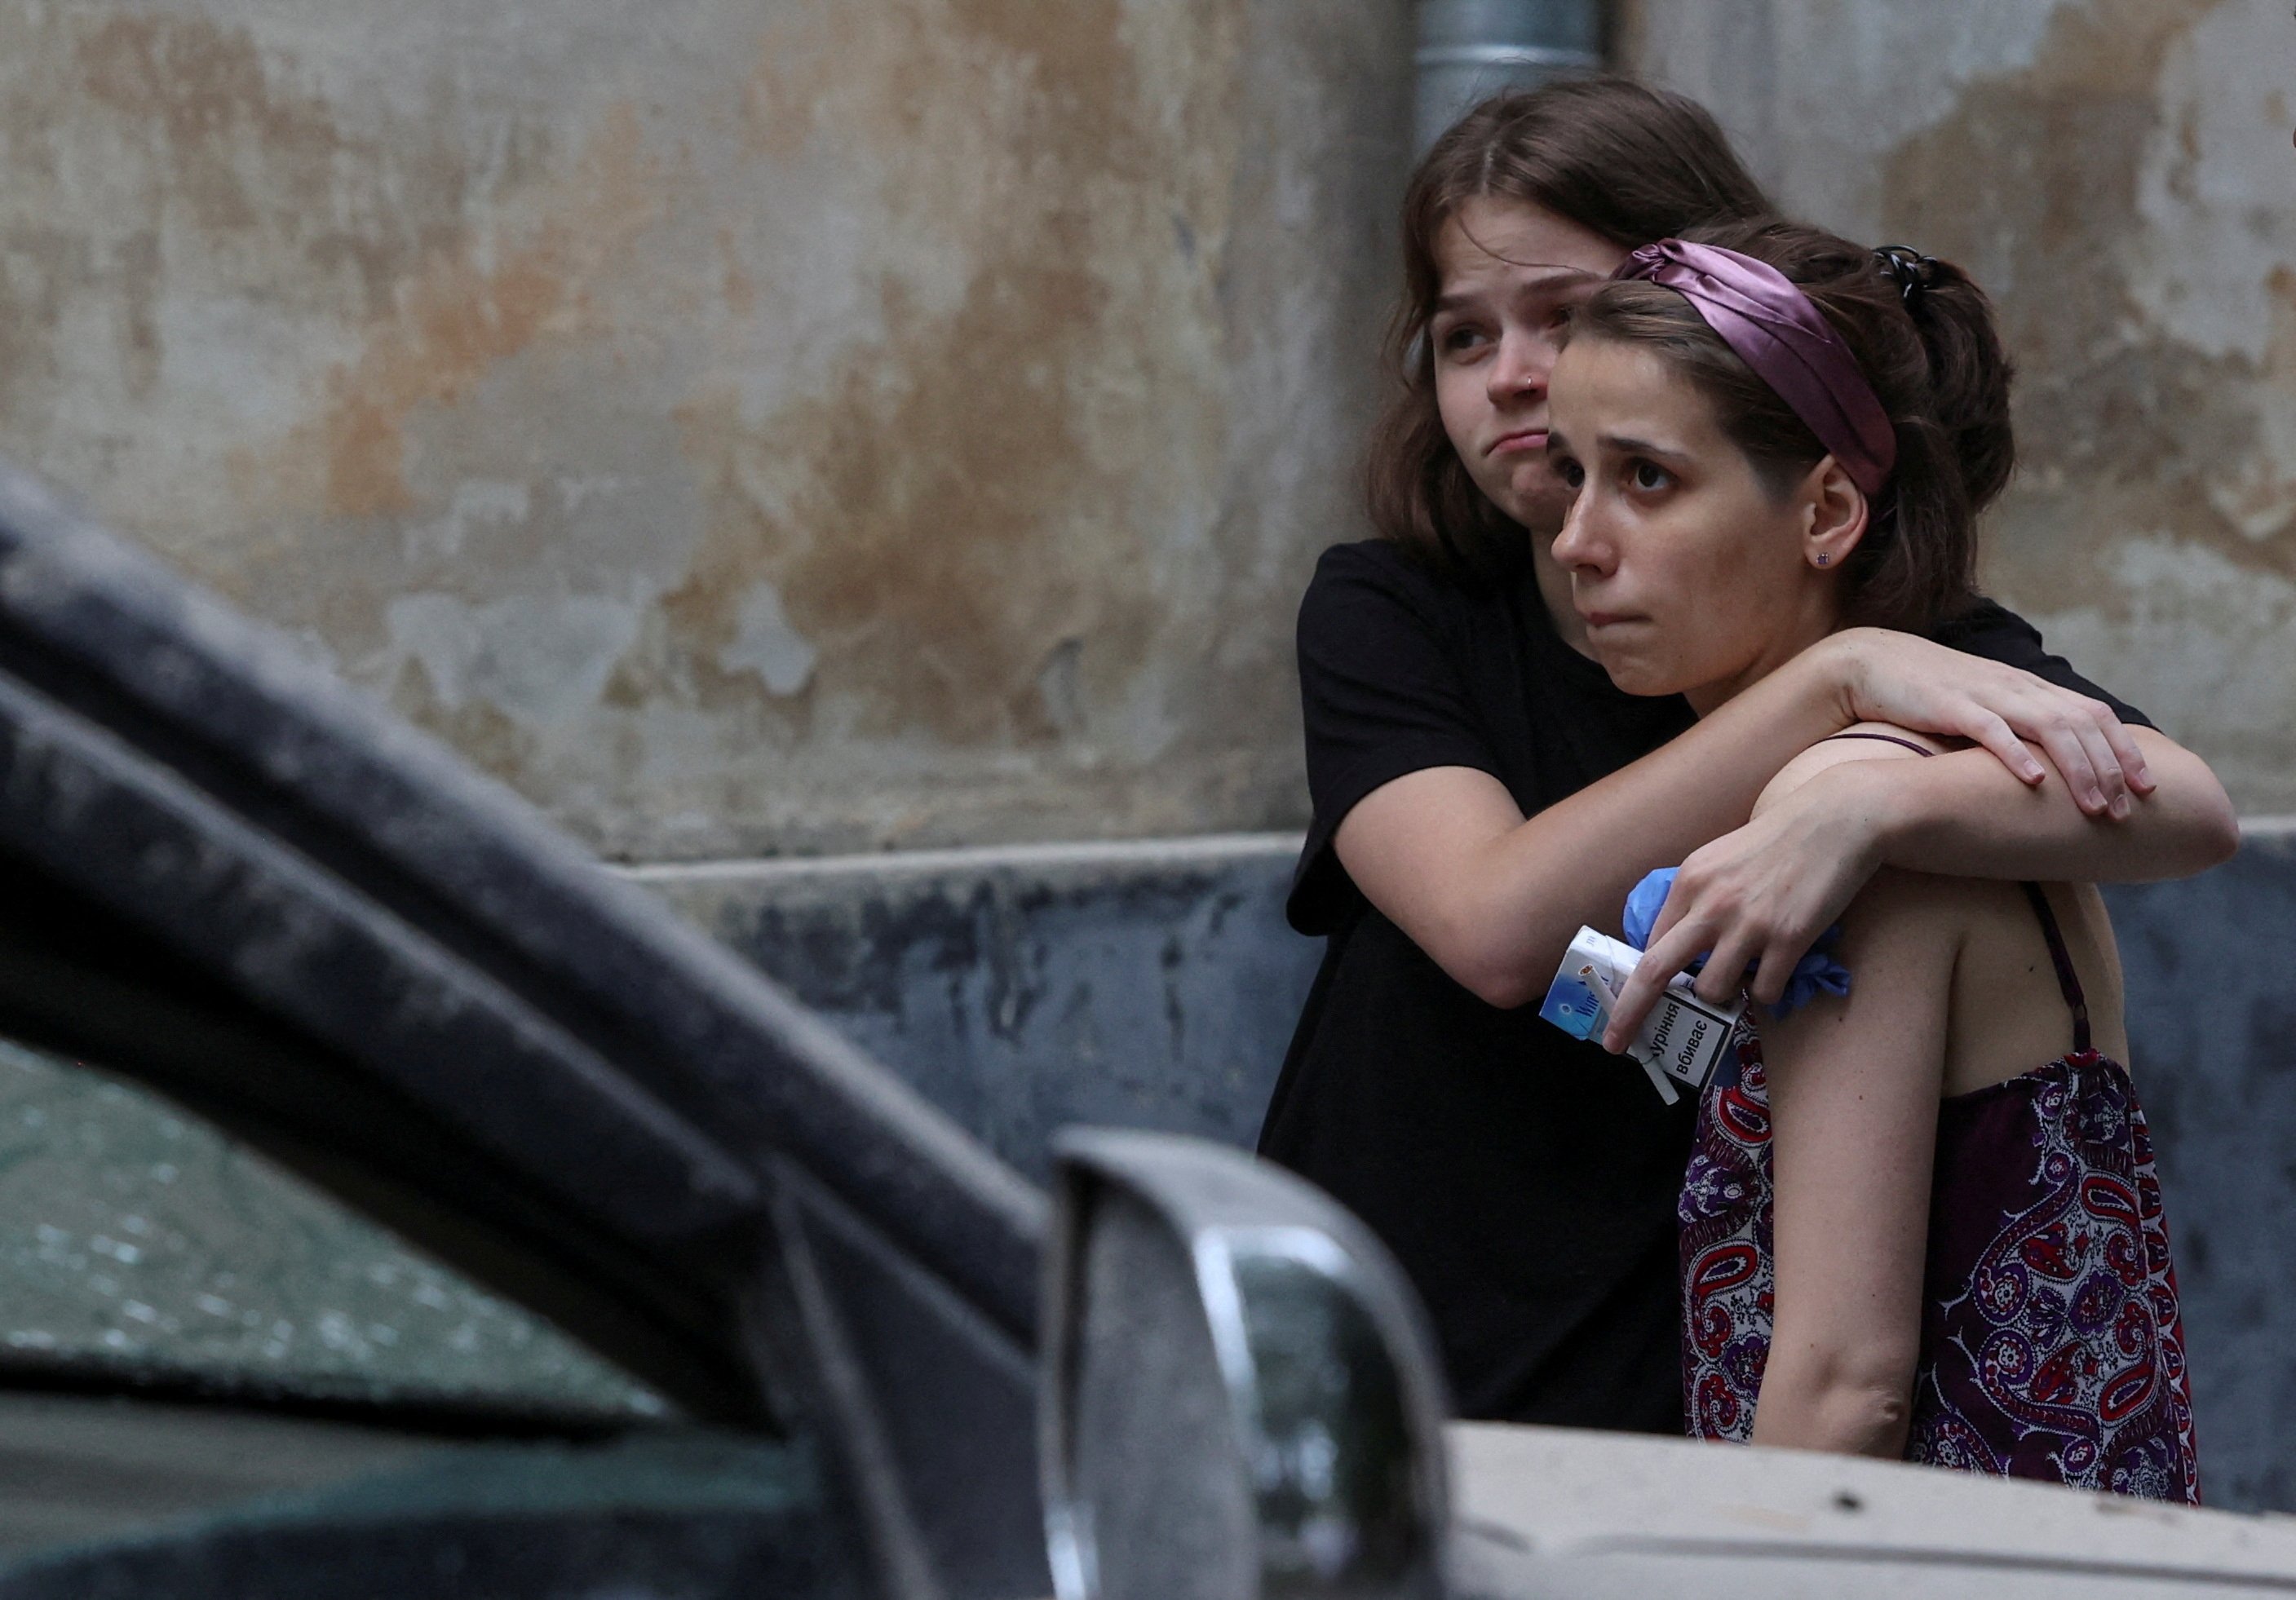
column 138, row 1243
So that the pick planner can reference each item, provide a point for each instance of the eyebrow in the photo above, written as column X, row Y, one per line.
column 1619, row 444
column 1558, row 278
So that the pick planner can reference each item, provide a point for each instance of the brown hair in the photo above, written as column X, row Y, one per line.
column 1628, row 162
column 1936, row 364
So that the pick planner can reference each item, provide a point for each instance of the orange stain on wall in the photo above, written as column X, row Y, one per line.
column 459, row 316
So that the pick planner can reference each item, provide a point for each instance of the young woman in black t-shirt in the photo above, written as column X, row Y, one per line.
column 1480, row 789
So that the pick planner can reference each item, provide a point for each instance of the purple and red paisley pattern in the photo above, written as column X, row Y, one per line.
column 2051, row 1344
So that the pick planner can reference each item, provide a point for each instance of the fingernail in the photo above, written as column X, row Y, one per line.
column 2120, row 808
column 2096, row 799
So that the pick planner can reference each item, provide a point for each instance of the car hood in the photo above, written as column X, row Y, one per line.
column 1546, row 1512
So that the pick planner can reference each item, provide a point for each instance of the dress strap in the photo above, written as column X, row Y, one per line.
column 1919, row 750
column 2068, row 981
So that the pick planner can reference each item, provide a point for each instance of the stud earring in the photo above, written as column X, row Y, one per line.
column 1823, row 558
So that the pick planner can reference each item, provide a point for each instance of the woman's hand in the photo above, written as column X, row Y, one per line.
column 1883, row 676
column 1760, row 896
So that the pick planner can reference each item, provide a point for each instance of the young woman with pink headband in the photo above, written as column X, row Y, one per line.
column 1481, row 789
column 1921, row 1217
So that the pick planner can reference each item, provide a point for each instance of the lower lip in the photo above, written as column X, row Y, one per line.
column 1518, row 444
column 1595, row 623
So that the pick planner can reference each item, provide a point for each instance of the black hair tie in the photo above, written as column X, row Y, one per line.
column 1912, row 271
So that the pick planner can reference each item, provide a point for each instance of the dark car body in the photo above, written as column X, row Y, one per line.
column 226, row 879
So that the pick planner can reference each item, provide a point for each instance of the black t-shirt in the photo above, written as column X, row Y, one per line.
column 1524, row 1179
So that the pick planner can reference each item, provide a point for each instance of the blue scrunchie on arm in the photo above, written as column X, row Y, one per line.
column 1816, row 974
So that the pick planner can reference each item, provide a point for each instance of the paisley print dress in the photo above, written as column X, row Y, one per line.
column 2051, row 1344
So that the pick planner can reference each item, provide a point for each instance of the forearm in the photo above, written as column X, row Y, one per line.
column 1515, row 903
column 1964, row 816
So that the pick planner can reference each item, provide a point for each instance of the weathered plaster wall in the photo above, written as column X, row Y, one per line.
column 744, row 425
column 772, row 426
column 2118, row 173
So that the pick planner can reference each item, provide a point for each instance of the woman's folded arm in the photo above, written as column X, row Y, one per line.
column 1964, row 816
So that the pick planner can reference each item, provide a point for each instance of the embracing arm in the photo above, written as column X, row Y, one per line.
column 1447, row 854
column 1854, row 1086
column 1494, row 898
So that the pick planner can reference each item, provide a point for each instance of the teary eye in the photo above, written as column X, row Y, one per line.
column 1458, row 337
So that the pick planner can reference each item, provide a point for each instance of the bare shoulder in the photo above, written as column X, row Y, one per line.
column 1894, row 899
column 1867, row 741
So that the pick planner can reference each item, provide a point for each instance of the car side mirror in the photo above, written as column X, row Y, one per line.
column 1239, row 1398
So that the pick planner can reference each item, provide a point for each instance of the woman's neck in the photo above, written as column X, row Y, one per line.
column 1706, row 698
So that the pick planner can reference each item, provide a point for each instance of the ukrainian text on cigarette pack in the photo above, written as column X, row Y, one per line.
column 1680, row 1041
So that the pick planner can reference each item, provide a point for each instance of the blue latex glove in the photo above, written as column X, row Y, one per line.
column 1816, row 974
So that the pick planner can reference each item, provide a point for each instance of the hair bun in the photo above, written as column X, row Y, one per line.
column 1912, row 271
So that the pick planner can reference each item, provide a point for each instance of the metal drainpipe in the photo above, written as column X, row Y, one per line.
column 1470, row 49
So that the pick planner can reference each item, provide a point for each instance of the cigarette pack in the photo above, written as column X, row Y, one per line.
column 1681, row 1040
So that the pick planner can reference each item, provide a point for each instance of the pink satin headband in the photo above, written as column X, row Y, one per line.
column 1777, row 330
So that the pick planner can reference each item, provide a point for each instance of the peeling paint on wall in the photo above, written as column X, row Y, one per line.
column 765, row 643
column 742, row 427
column 2118, row 174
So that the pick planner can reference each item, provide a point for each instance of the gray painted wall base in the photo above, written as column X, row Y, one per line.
column 1149, row 985
column 2211, row 973
column 1155, row 986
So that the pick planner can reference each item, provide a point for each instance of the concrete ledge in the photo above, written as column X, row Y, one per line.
column 1149, row 985
column 1088, row 855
